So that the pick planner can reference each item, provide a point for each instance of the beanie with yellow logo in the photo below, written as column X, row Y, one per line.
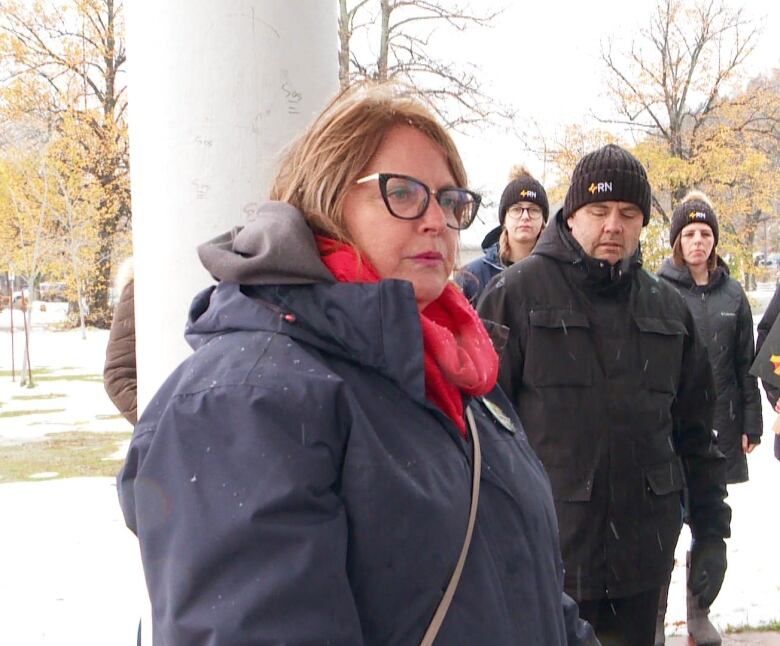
column 690, row 211
column 523, row 189
column 606, row 175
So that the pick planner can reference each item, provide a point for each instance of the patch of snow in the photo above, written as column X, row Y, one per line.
column 71, row 570
column 43, row 475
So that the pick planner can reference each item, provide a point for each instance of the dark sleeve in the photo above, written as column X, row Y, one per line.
column 578, row 631
column 502, row 320
column 469, row 283
column 243, row 536
column 119, row 371
column 703, row 463
column 744, row 354
column 767, row 320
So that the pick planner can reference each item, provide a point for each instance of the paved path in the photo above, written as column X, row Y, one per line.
column 757, row 639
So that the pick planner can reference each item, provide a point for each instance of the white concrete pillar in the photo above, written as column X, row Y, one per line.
column 216, row 89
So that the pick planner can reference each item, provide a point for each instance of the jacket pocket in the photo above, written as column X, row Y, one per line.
column 666, row 478
column 559, row 349
column 661, row 348
column 570, row 485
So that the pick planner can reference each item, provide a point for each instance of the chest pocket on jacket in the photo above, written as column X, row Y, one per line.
column 558, row 352
column 661, row 349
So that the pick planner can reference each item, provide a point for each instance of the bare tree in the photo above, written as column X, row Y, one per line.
column 677, row 78
column 402, row 31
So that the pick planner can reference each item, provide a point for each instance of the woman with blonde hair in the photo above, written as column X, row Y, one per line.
column 334, row 464
column 723, row 318
column 522, row 214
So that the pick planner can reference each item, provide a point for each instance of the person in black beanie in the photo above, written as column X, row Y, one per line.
column 611, row 380
column 723, row 318
column 522, row 214
column 764, row 326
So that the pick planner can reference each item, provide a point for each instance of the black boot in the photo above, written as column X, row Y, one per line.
column 700, row 628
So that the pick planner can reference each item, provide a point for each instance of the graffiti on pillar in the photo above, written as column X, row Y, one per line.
column 263, row 114
column 293, row 98
column 256, row 20
column 201, row 189
column 251, row 210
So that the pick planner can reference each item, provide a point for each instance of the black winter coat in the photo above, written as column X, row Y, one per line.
column 764, row 326
column 615, row 392
column 725, row 324
column 290, row 482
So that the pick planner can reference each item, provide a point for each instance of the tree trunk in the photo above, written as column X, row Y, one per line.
column 384, row 41
column 26, row 377
column 82, row 318
column 344, row 36
column 98, row 295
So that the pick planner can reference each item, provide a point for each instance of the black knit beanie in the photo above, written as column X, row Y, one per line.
column 608, row 174
column 689, row 212
column 523, row 189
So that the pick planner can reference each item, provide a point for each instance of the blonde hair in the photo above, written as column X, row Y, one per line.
column 504, row 252
column 320, row 167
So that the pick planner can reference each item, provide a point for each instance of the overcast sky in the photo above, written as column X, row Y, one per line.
column 543, row 57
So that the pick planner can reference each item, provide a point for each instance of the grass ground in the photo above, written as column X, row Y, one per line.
column 62, row 455
column 768, row 627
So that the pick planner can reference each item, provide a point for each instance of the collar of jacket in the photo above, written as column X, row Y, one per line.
column 681, row 276
column 493, row 257
column 272, row 280
column 491, row 238
column 558, row 243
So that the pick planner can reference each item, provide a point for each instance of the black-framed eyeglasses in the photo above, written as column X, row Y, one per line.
column 407, row 198
column 516, row 212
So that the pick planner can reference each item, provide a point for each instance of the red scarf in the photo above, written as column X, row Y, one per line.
column 459, row 355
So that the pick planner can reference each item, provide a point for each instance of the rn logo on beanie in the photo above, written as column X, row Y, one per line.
column 608, row 174
column 601, row 187
column 697, row 215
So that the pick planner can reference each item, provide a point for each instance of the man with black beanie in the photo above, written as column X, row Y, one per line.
column 613, row 386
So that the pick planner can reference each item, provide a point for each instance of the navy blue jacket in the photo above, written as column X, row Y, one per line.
column 290, row 483
column 474, row 277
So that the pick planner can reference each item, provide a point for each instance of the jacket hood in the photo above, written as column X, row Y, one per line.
column 556, row 242
column 491, row 238
column 276, row 247
column 681, row 276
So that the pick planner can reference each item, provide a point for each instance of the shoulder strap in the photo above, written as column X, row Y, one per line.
column 444, row 604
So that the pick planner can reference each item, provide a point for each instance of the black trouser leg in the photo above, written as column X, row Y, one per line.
column 626, row 621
